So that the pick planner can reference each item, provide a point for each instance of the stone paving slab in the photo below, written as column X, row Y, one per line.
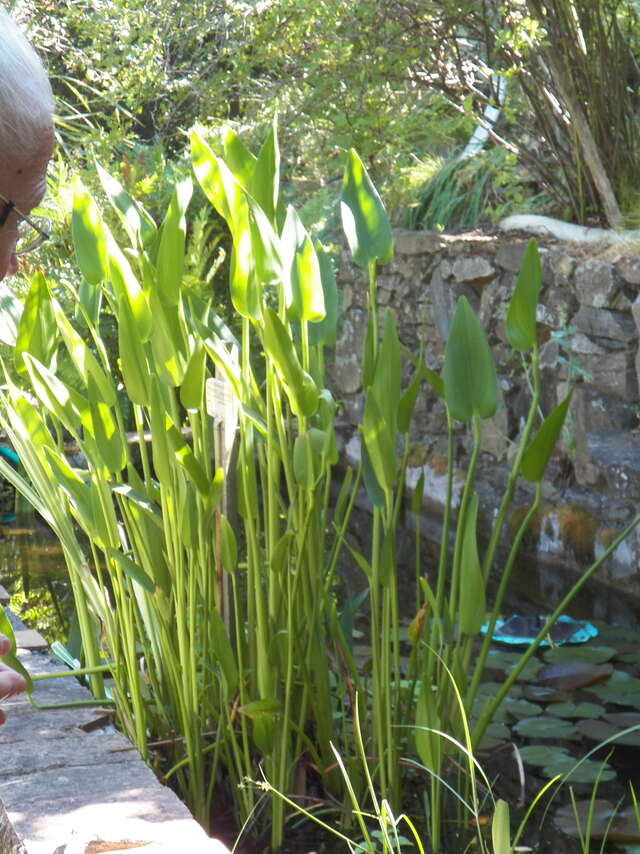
column 64, row 786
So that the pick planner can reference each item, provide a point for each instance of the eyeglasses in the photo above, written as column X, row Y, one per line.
column 32, row 231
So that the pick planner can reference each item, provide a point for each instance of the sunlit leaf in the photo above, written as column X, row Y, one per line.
column 364, row 218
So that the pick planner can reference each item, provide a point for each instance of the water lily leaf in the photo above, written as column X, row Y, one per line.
column 575, row 710
column 521, row 708
column 621, row 689
column 587, row 771
column 599, row 731
column 604, row 818
column 544, row 694
column 545, row 726
column 593, row 654
column 492, row 688
column 623, row 719
column 497, row 733
column 572, row 675
column 541, row 754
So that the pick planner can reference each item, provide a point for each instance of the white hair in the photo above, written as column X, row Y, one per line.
column 26, row 99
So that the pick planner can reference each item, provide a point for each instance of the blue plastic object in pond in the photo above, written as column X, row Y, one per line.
column 521, row 631
column 10, row 455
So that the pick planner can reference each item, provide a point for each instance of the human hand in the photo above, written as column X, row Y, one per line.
column 11, row 683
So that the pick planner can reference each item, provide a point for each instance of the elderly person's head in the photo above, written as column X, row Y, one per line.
column 26, row 136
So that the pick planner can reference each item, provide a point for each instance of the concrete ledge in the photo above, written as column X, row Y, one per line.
column 67, row 781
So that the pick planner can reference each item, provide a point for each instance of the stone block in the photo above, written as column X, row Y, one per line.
column 509, row 256
column 604, row 323
column 473, row 270
column 597, row 283
column 417, row 242
column 629, row 269
column 610, row 372
column 614, row 458
column 346, row 365
column 557, row 268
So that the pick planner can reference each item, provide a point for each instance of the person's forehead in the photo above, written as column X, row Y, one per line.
column 24, row 179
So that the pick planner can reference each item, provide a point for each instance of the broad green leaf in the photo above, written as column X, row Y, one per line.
column 127, row 286
column 387, row 378
column 238, row 158
column 89, row 304
column 472, row 589
column 223, row 651
column 417, row 495
column 37, row 328
column 66, row 404
column 132, row 570
column 539, row 450
column 521, row 315
column 374, row 490
column 206, row 167
column 84, row 360
column 303, row 459
column 77, row 490
column 228, row 546
column 88, row 235
column 192, row 387
column 280, row 552
column 325, row 331
column 408, row 402
column 137, row 221
column 264, row 185
column 302, row 277
column 109, row 441
column 500, row 828
column 187, row 459
column 471, row 386
column 428, row 742
column 364, row 218
column 435, row 381
column 266, row 264
column 169, row 342
column 133, row 359
column 300, row 387
column 380, row 443
column 170, row 258
column 159, row 441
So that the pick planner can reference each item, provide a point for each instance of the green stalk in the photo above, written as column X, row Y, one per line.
column 515, row 469
column 462, row 517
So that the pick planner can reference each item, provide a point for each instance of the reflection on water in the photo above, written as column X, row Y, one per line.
column 33, row 571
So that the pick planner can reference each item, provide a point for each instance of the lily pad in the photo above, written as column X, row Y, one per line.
column 541, row 754
column 605, row 819
column 520, row 708
column 588, row 771
column 490, row 689
column 497, row 733
column 621, row 689
column 545, row 726
column 507, row 661
column 575, row 710
column 592, row 654
column 623, row 719
column 572, row 675
column 599, row 731
column 544, row 694
column 613, row 635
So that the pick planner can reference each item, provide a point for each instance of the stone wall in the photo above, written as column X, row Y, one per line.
column 589, row 315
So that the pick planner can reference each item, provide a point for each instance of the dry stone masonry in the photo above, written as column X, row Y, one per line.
column 589, row 316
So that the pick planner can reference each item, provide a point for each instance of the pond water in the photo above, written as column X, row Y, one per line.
column 554, row 716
